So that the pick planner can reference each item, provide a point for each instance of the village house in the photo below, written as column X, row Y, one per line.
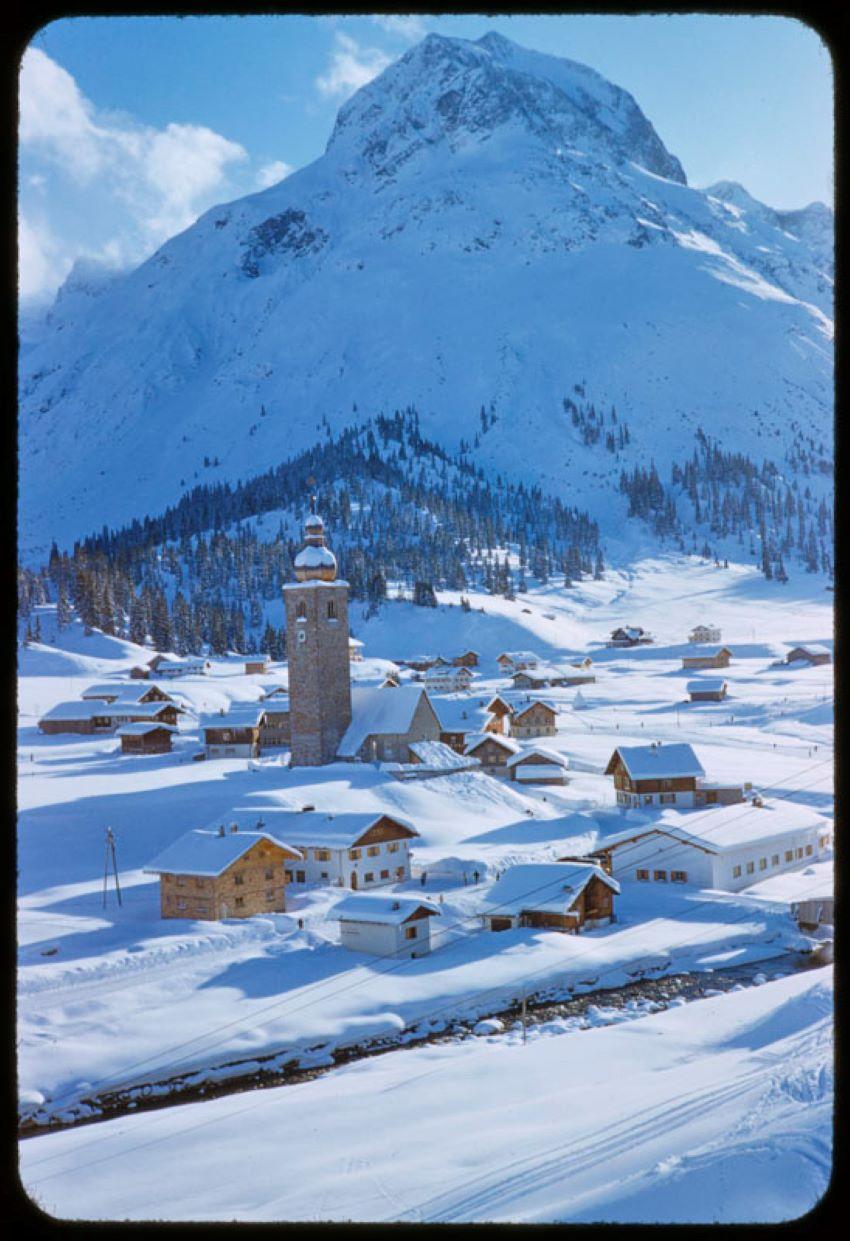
column 234, row 733
column 629, row 635
column 499, row 712
column 222, row 872
column 533, row 719
column 448, row 679
column 662, row 775
column 126, row 694
column 709, row 689
column 459, row 717
column 538, row 765
column 384, row 722
column 356, row 849
column 421, row 663
column 140, row 673
column 465, row 659
column 492, row 751
column 385, row 926
column 558, row 896
column 704, row 633
column 124, row 712
column 190, row 666
column 711, row 657
column 515, row 661
column 76, row 717
column 810, row 654
column 276, row 725
column 727, row 849
column 549, row 674
column 257, row 663
column 355, row 650
column 146, row 738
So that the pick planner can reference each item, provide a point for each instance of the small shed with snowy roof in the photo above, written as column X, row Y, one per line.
column 709, row 689
column 811, row 653
column 560, row 896
column 143, row 737
column 538, row 765
column 77, row 717
column 223, row 872
column 708, row 657
column 492, row 751
column 386, row 926
column 385, row 721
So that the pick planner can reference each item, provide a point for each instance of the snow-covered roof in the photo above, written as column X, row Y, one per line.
column 708, row 652
column 450, row 672
column 649, row 762
column 389, row 910
column 630, row 631
column 240, row 715
column 205, row 852
column 315, row 557
column 117, row 689
column 810, row 648
column 506, row 743
column 517, row 656
column 123, row 707
column 542, row 752
column 726, row 829
column 317, row 828
column 378, row 711
column 458, row 715
column 547, row 886
column 76, row 710
column 706, row 685
column 520, row 707
column 140, row 729
column 437, row 756
column 355, row 642
column 275, row 691
column 537, row 771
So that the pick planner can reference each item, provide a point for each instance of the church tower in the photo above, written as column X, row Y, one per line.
column 317, row 651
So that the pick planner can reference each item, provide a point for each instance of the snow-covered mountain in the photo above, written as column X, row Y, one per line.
column 488, row 226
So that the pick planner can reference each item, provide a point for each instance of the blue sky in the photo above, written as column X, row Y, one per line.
column 132, row 126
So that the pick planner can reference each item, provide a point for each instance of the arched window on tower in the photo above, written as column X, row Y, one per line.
column 301, row 610
column 332, row 609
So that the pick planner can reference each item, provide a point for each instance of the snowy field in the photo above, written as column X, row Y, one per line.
column 115, row 996
column 718, row 1111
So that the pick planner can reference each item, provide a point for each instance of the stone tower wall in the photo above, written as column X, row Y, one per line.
column 319, row 670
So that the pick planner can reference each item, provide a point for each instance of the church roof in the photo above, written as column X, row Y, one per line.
column 379, row 711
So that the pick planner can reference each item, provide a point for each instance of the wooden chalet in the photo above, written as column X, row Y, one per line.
column 499, row 715
column 665, row 775
column 114, row 693
column 534, row 719
column 810, row 654
column 466, row 659
column 709, row 689
column 235, row 733
column 558, row 896
column 140, row 673
column 222, row 872
column 146, row 738
column 514, row 661
column 538, row 765
column 122, row 712
column 86, row 718
column 716, row 657
column 276, row 724
column 492, row 751
column 629, row 635
column 256, row 663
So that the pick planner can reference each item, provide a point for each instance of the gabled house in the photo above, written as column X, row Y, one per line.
column 256, row 664
column 811, row 653
column 234, row 733
column 223, row 872
column 449, row 679
column 114, row 692
column 538, row 765
column 710, row 657
column 704, row 633
column 661, row 775
column 124, row 712
column 492, row 751
column 354, row 849
column 708, row 689
column 146, row 738
column 728, row 849
column 629, row 635
column 515, row 661
column 385, row 721
column 533, row 719
column 190, row 666
column 465, row 659
column 385, row 926
column 77, row 717
column 499, row 715
column 559, row 896
column 459, row 718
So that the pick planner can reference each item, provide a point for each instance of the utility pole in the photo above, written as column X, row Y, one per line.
column 110, row 856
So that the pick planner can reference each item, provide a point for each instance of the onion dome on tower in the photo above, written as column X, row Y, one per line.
column 315, row 561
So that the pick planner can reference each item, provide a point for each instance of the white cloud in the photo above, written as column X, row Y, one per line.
column 351, row 66
column 40, row 266
column 271, row 173
column 163, row 178
column 409, row 26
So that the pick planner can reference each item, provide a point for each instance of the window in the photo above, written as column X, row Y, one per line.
column 181, row 904
column 774, row 861
column 301, row 610
column 679, row 876
column 181, row 881
column 331, row 610
column 369, row 877
column 373, row 850
column 287, row 876
column 302, row 635
column 410, row 932
column 762, row 863
column 808, row 850
column 385, row 874
column 238, row 879
column 736, row 872
column 647, row 799
column 666, row 798
column 399, row 872
column 642, row 874
column 270, row 894
column 789, row 855
column 750, row 867
column 354, row 854
column 823, row 842
column 240, row 901
column 392, row 847
column 299, row 876
column 660, row 876
column 324, row 874
column 799, row 853
column 322, row 855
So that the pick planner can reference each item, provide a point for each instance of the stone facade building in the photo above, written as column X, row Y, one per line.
column 318, row 651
